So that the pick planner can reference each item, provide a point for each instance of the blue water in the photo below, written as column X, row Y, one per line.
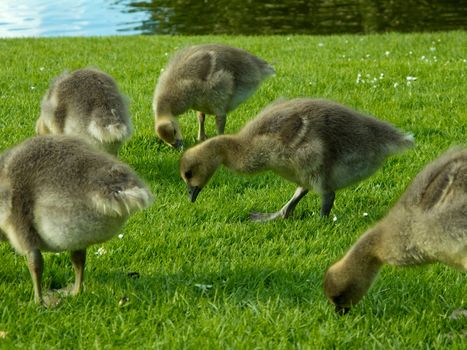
column 45, row 18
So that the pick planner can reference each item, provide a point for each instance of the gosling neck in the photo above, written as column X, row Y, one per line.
column 173, row 102
column 364, row 257
column 230, row 151
column 162, row 111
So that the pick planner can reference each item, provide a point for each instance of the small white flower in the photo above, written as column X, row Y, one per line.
column 123, row 301
column 359, row 78
column 396, row 85
column 320, row 44
column 3, row 334
column 33, row 88
column 120, row 236
column 162, row 69
column 365, row 214
column 203, row 287
column 432, row 49
column 367, row 55
column 381, row 76
column 334, row 218
column 458, row 314
column 409, row 78
column 101, row 251
column 387, row 53
column 41, row 69
column 166, row 54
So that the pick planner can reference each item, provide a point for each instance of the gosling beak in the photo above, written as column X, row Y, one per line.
column 193, row 192
column 342, row 310
column 178, row 144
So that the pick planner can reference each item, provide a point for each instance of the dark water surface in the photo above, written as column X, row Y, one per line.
column 120, row 17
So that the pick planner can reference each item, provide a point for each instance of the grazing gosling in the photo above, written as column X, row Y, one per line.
column 87, row 104
column 428, row 224
column 317, row 144
column 58, row 193
column 212, row 79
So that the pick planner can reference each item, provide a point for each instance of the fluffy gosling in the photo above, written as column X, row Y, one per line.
column 87, row 104
column 60, row 194
column 317, row 144
column 428, row 224
column 212, row 79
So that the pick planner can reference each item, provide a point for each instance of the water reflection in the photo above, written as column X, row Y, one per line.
column 300, row 16
column 117, row 17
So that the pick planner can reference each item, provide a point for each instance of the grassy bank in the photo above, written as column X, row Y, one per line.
column 208, row 277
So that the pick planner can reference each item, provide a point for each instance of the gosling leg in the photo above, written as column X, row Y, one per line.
column 54, row 297
column 36, row 267
column 285, row 211
column 220, row 123
column 201, row 132
column 327, row 201
column 78, row 259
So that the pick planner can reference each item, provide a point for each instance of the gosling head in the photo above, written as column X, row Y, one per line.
column 346, row 285
column 169, row 131
column 197, row 166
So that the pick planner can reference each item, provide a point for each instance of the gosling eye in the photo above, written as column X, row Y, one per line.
column 188, row 174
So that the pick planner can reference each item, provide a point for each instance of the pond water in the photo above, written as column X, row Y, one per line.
column 122, row 17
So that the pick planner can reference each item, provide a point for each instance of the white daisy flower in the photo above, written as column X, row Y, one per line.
column 101, row 251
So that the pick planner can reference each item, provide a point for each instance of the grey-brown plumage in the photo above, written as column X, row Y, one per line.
column 87, row 104
column 58, row 193
column 210, row 78
column 428, row 224
column 317, row 144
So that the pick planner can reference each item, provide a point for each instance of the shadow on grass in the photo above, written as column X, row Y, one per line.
column 238, row 287
column 261, row 286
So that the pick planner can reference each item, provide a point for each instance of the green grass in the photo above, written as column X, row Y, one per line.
column 208, row 277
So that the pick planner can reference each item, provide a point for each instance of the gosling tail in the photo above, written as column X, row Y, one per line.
column 405, row 141
column 109, row 128
column 120, row 193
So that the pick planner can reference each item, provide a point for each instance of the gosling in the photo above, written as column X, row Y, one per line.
column 428, row 224
column 212, row 79
column 59, row 193
column 317, row 144
column 87, row 104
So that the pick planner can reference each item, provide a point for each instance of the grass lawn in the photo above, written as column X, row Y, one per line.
column 208, row 278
